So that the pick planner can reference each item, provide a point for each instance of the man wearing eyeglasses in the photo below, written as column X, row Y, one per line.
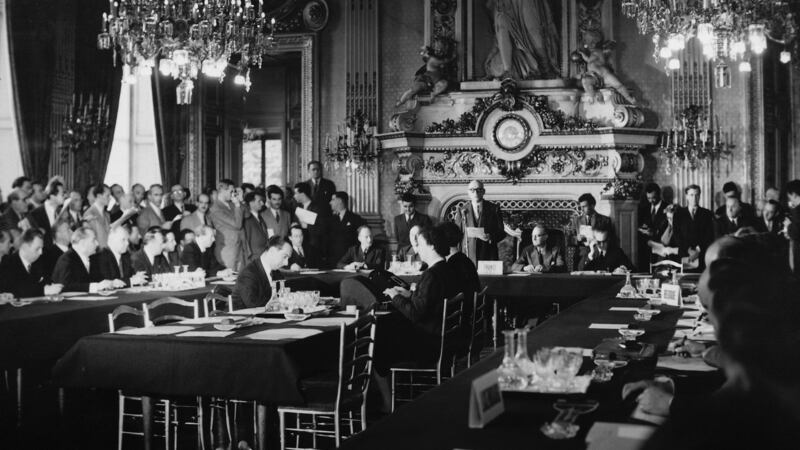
column 605, row 255
column 178, row 207
column 538, row 257
column 482, row 225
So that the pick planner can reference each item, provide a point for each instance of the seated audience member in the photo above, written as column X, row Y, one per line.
column 464, row 269
column 277, row 219
column 664, row 241
column 74, row 269
column 5, row 244
column 22, row 272
column 303, row 256
column 771, row 220
column 171, row 253
column 16, row 211
column 198, row 217
column 408, row 218
column 410, row 253
column 186, row 238
column 363, row 255
column 731, row 190
column 150, row 259
column 538, row 257
column 733, row 219
column 199, row 254
column 604, row 254
column 114, row 262
column 62, row 234
column 423, row 306
column 253, row 283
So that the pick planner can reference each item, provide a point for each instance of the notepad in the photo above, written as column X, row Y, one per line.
column 684, row 364
column 475, row 232
column 608, row 326
column 306, row 216
column 277, row 334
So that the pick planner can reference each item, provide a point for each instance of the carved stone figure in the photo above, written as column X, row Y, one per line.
column 598, row 72
column 526, row 41
column 433, row 76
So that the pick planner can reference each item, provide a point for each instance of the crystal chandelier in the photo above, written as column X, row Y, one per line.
column 189, row 37
column 691, row 142
column 355, row 147
column 727, row 29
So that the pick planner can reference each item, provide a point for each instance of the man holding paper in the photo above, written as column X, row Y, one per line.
column 313, row 217
column 482, row 225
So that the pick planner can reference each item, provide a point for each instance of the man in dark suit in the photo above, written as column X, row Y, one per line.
column 322, row 189
column 62, row 233
column 733, row 220
column 254, row 227
column 199, row 254
column 21, row 271
column 694, row 228
column 604, row 253
column 538, row 257
column 363, row 255
column 407, row 218
column 16, row 212
column 277, row 219
column 317, row 232
column 46, row 215
column 731, row 190
column 149, row 259
column 464, row 269
column 484, row 220
column 178, row 208
column 771, row 220
column 73, row 269
column 151, row 215
column 651, row 218
column 344, row 226
column 114, row 261
column 791, row 224
column 303, row 256
column 253, row 283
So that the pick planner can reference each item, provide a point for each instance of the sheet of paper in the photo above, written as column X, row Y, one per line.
column 475, row 232
column 518, row 274
column 90, row 298
column 250, row 311
column 277, row 334
column 224, row 283
column 608, row 326
column 211, row 334
column 586, row 231
column 156, row 331
column 311, row 272
column 306, row 216
column 623, row 308
column 72, row 294
column 689, row 323
column 684, row 364
column 694, row 313
column 327, row 321
column 208, row 320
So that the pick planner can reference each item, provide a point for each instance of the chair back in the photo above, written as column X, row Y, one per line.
column 125, row 310
column 170, row 305
column 666, row 263
column 478, row 334
column 356, row 347
column 451, row 333
column 214, row 304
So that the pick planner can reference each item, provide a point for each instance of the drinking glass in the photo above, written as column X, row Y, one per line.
column 509, row 374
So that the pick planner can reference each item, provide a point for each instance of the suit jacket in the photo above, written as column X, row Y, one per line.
column 71, row 272
column 343, row 234
column 149, row 218
column 38, row 219
column 551, row 260
column 375, row 258
column 323, row 192
column 774, row 227
column 724, row 226
column 281, row 226
column 424, row 307
column 98, row 221
column 747, row 211
column 646, row 216
column 16, row 280
column 466, row 274
column 192, row 221
column 693, row 232
column 317, row 235
column 653, row 222
column 310, row 257
column 141, row 263
column 613, row 258
column 254, row 236
column 402, row 227
column 171, row 211
column 227, row 220
column 193, row 257
column 11, row 219
column 48, row 260
column 492, row 224
column 252, row 287
column 104, row 266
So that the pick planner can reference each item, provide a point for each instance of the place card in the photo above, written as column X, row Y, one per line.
column 210, row 334
column 671, row 294
column 490, row 267
column 623, row 308
column 277, row 334
column 608, row 326
column 485, row 400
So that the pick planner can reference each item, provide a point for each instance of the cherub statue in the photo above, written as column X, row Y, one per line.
column 433, row 76
column 598, row 72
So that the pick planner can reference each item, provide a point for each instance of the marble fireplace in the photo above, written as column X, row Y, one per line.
column 536, row 145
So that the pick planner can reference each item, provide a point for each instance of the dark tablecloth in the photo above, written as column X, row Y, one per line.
column 439, row 419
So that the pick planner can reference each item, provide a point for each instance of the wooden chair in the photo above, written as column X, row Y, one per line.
column 330, row 406
column 176, row 304
column 212, row 302
column 670, row 265
column 120, row 311
column 424, row 376
column 478, row 331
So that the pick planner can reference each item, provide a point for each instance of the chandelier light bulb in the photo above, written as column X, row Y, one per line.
column 786, row 57
column 758, row 39
column 676, row 42
column 665, row 53
column 239, row 79
column 180, row 57
column 738, row 49
column 165, row 66
column 674, row 64
column 745, row 67
column 705, row 34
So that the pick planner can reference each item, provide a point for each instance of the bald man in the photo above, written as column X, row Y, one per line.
column 485, row 220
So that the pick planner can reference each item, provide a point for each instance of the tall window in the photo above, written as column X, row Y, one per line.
column 262, row 162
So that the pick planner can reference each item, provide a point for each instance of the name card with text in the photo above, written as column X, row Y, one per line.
column 671, row 294
column 485, row 400
column 490, row 267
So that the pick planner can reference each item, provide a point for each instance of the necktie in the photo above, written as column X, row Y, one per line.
column 28, row 268
column 653, row 212
column 692, row 212
column 277, row 215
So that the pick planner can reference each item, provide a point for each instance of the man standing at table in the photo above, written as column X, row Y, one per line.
column 254, row 227
column 150, row 259
column 253, row 283
column 278, row 220
column 73, row 269
column 694, row 229
column 651, row 219
column 21, row 271
column 178, row 208
column 322, row 189
column 538, row 257
column 344, row 226
column 482, row 225
column 363, row 255
column 316, row 232
column 225, row 216
column 407, row 219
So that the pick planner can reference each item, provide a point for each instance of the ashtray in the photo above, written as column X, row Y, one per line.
column 645, row 314
column 631, row 334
